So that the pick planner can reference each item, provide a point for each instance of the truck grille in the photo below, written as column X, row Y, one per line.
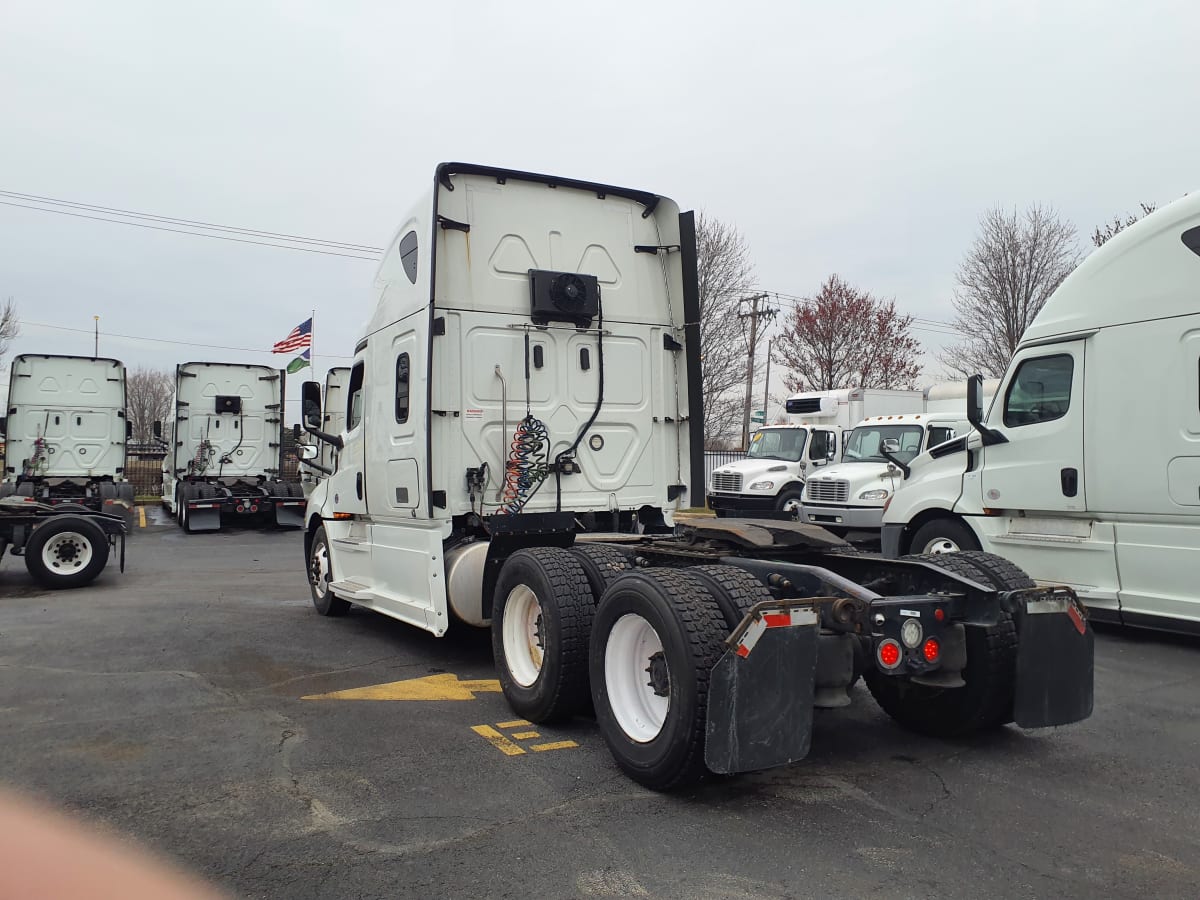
column 827, row 490
column 727, row 481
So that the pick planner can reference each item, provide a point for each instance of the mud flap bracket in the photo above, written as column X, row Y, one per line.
column 1055, row 667
column 760, row 692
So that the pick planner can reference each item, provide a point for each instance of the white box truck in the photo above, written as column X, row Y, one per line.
column 523, row 421
column 1075, row 473
column 65, row 432
column 770, row 479
column 851, row 494
column 224, row 444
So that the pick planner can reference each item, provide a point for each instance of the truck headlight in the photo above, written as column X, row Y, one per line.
column 762, row 485
column 877, row 494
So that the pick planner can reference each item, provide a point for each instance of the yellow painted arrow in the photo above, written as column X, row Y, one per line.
column 431, row 687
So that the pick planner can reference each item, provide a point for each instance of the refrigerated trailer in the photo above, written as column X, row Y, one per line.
column 523, row 426
column 225, row 442
column 65, row 430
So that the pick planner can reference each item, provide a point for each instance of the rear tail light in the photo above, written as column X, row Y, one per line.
column 888, row 653
column 932, row 650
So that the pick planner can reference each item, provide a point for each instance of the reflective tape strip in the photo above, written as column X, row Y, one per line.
column 750, row 638
column 778, row 619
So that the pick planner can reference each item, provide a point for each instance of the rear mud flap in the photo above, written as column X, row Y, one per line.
column 204, row 519
column 289, row 516
column 1054, row 660
column 760, row 692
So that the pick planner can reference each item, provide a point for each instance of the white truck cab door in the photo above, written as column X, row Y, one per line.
column 1039, row 411
column 822, row 447
column 347, row 485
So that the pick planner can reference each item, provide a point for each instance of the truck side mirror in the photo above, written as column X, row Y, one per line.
column 975, row 400
column 156, row 429
column 306, row 452
column 310, row 401
column 990, row 436
column 296, row 432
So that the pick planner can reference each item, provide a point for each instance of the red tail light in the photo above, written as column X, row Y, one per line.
column 888, row 653
column 932, row 650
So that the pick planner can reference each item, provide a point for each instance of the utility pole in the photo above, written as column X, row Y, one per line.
column 767, row 383
column 756, row 312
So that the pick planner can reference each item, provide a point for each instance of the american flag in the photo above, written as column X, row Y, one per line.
column 300, row 336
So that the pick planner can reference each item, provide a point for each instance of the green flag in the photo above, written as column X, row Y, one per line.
column 296, row 365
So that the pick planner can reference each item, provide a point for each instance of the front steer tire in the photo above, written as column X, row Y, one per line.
column 541, row 621
column 66, row 552
column 691, row 628
column 320, row 576
column 986, row 701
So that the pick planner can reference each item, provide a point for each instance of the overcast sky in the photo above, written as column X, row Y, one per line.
column 863, row 139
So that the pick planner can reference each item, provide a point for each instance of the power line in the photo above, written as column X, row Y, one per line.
column 216, row 237
column 152, row 340
column 177, row 221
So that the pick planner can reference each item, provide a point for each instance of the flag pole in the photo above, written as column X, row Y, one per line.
column 312, row 347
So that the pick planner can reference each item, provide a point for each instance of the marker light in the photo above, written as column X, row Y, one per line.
column 939, row 614
column 932, row 650
column 910, row 632
column 889, row 653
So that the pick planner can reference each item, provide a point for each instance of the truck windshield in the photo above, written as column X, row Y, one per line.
column 780, row 443
column 866, row 442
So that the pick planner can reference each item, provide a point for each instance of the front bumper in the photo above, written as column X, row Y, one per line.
column 741, row 501
column 867, row 518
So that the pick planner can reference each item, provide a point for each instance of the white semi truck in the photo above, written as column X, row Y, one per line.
column 523, row 422
column 224, row 448
column 770, row 479
column 851, row 494
column 1046, row 477
column 65, row 432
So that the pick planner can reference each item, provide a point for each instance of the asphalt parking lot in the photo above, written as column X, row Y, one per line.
column 169, row 703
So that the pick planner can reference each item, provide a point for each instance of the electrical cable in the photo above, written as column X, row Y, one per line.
column 570, row 451
column 527, row 466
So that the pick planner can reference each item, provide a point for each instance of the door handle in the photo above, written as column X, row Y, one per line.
column 358, row 484
column 1070, row 482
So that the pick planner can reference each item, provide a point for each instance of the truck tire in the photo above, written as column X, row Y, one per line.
column 600, row 565
column 789, row 500
column 6, row 490
column 990, row 674
column 66, row 552
column 943, row 536
column 320, row 575
column 655, row 639
column 541, row 620
column 1002, row 574
column 734, row 589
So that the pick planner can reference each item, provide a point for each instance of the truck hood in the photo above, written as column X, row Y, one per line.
column 754, row 469
column 860, row 476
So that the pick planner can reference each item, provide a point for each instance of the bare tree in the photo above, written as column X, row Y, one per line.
column 725, row 276
column 1117, row 225
column 1015, row 264
column 10, row 326
column 844, row 337
column 147, row 400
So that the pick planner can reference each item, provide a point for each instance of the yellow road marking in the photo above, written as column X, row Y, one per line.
column 525, row 735
column 497, row 740
column 142, row 516
column 557, row 745
column 515, row 723
column 431, row 687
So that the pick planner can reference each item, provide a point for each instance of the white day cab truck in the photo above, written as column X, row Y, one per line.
column 769, row 481
column 1045, row 478
column 851, row 494
column 523, row 423
column 64, row 499
column 225, row 443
